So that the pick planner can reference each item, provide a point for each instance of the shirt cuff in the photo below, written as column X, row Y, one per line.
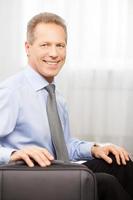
column 85, row 150
column 5, row 154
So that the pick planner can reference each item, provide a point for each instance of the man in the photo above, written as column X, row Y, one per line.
column 25, row 133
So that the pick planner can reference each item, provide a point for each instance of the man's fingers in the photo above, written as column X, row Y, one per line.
column 106, row 158
column 39, row 155
column 42, row 159
column 44, row 151
column 47, row 154
column 124, row 156
column 36, row 157
column 116, row 154
column 100, row 152
column 27, row 159
column 125, row 153
column 123, row 159
column 22, row 156
column 120, row 154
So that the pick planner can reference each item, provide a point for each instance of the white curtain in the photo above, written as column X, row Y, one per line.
column 97, row 79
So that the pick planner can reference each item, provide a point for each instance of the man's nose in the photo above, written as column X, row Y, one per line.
column 53, row 51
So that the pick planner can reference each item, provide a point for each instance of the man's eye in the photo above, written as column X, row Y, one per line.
column 44, row 45
column 60, row 45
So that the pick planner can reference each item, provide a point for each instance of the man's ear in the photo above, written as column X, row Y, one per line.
column 27, row 47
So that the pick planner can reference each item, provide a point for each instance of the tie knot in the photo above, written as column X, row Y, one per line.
column 50, row 89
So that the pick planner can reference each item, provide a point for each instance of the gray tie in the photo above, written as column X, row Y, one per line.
column 55, row 125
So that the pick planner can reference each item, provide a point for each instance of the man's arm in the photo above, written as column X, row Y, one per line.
column 78, row 149
column 9, row 112
column 8, row 115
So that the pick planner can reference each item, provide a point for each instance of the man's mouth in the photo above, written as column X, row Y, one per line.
column 51, row 62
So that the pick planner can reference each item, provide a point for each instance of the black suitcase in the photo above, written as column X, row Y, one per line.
column 56, row 182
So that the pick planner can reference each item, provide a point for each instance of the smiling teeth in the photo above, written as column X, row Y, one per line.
column 51, row 63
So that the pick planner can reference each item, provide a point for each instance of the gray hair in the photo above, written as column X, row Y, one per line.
column 44, row 18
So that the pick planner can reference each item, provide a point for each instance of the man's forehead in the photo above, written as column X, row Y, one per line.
column 49, row 32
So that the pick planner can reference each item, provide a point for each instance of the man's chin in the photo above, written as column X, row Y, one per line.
column 49, row 77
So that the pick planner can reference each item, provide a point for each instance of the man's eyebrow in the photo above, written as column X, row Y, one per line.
column 49, row 42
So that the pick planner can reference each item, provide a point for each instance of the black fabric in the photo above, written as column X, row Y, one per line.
column 57, row 182
column 113, row 181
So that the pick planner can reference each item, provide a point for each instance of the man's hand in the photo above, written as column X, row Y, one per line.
column 30, row 154
column 121, row 155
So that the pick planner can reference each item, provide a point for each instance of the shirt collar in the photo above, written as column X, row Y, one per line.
column 37, row 81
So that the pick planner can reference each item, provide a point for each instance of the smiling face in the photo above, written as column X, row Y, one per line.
column 47, row 53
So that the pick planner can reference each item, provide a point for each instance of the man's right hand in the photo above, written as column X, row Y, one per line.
column 40, row 155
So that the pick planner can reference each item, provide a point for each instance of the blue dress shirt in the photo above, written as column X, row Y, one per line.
column 23, row 117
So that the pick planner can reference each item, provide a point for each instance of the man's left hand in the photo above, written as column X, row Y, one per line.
column 102, row 152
